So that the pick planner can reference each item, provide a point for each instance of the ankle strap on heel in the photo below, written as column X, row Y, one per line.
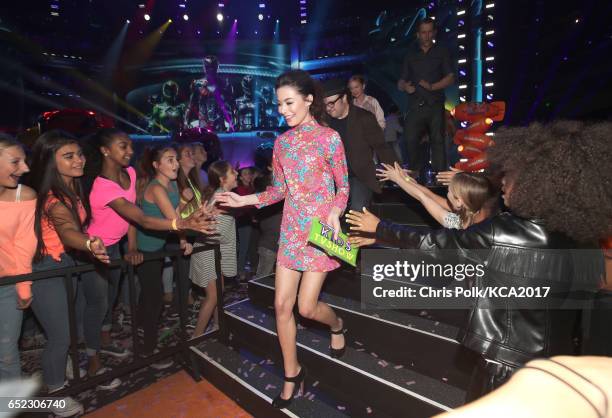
column 296, row 378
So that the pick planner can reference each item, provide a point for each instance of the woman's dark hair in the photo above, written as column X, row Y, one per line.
column 216, row 172
column 561, row 173
column 91, row 147
column 305, row 85
column 46, row 180
column 7, row 141
column 146, row 171
column 194, row 175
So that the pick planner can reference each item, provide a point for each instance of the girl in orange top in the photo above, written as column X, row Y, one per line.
column 17, row 245
column 60, row 219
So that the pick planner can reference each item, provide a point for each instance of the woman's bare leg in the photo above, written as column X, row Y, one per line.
column 286, row 285
column 312, row 308
column 206, row 310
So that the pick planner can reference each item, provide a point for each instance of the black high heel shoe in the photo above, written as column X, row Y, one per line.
column 298, row 379
column 338, row 352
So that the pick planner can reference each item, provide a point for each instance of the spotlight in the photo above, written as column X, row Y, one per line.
column 127, row 21
column 220, row 17
column 235, row 20
column 277, row 20
column 185, row 17
column 147, row 17
column 169, row 20
column 260, row 16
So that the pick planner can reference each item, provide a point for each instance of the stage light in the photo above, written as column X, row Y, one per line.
column 147, row 17
column 489, row 32
column 490, row 70
column 462, row 86
column 235, row 20
column 462, row 61
column 460, row 12
column 490, row 6
column 489, row 84
column 260, row 16
column 220, row 17
column 277, row 20
column 169, row 20
column 185, row 17
column 262, row 5
column 127, row 21
column 461, row 36
column 255, row 32
column 489, row 58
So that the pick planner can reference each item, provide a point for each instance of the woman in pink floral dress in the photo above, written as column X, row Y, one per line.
column 310, row 173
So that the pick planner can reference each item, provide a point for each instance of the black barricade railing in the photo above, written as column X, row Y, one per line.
column 182, row 348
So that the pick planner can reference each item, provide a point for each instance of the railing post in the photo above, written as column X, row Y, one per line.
column 133, row 310
column 74, row 335
column 223, row 331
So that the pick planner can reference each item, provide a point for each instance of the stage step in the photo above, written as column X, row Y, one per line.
column 393, row 389
column 346, row 282
column 427, row 346
column 252, row 382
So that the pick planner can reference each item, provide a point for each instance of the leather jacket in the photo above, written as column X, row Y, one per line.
column 512, row 249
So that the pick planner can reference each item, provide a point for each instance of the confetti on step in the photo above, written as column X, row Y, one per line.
column 270, row 362
column 245, row 361
column 359, row 343
column 315, row 340
column 250, row 317
column 239, row 370
column 399, row 366
column 369, row 410
column 262, row 362
column 269, row 387
column 314, row 385
column 437, row 323
column 374, row 355
column 423, row 313
column 261, row 321
column 375, row 315
column 311, row 397
column 252, row 367
column 300, row 326
column 444, row 379
column 360, row 349
column 412, row 382
column 383, row 363
column 341, row 408
column 262, row 374
column 245, row 374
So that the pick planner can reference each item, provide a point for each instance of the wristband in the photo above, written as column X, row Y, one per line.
column 88, row 244
column 174, row 226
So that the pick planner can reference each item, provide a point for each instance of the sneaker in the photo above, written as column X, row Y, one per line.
column 70, row 373
column 110, row 385
column 70, row 407
column 114, row 350
column 163, row 364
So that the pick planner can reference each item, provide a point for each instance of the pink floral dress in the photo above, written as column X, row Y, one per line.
column 310, row 173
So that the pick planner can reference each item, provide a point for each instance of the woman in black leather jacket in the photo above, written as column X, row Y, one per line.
column 557, row 186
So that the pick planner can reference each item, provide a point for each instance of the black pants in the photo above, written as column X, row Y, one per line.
column 151, row 301
column 599, row 342
column 487, row 377
column 421, row 120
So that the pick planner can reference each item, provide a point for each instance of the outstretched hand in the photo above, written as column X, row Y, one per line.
column 231, row 199
column 361, row 241
column 394, row 173
column 445, row 177
column 362, row 221
column 202, row 220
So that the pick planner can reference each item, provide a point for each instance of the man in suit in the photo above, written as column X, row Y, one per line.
column 362, row 138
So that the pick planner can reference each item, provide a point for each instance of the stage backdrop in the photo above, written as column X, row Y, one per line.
column 225, row 88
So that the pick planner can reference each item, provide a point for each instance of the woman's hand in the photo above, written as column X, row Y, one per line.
column 362, row 221
column 202, row 220
column 186, row 246
column 231, row 199
column 23, row 303
column 98, row 250
column 187, row 195
column 333, row 220
column 394, row 173
column 445, row 177
column 361, row 241
column 133, row 256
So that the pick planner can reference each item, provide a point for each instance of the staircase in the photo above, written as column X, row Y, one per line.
column 397, row 364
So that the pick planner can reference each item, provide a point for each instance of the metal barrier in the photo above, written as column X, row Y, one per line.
column 186, row 355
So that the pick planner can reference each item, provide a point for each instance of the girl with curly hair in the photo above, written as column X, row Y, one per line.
column 556, row 183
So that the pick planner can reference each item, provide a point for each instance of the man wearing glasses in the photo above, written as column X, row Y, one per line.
column 362, row 138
